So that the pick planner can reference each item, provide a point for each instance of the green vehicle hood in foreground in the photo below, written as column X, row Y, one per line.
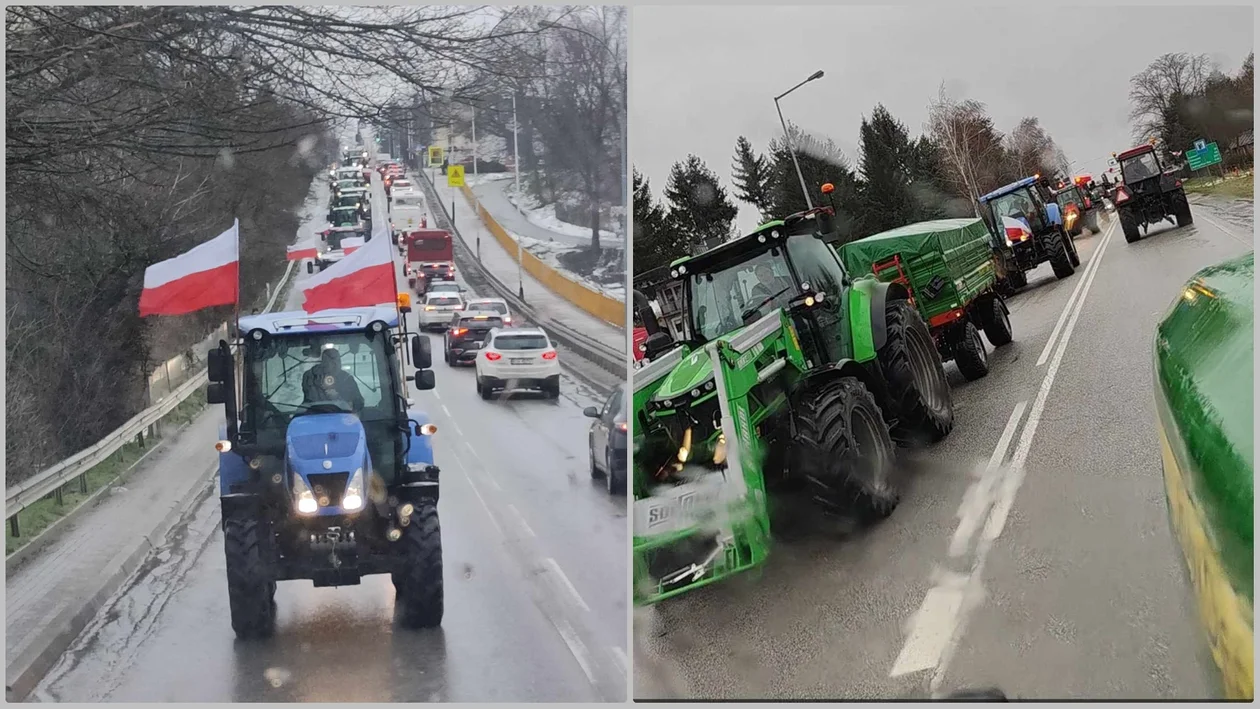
column 693, row 371
column 1204, row 377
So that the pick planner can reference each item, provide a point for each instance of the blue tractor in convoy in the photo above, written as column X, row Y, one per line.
column 1045, row 238
column 326, row 468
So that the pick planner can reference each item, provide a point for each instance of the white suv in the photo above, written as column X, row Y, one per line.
column 492, row 305
column 518, row 358
column 438, row 308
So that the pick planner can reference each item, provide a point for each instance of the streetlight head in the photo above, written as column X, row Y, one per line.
column 816, row 75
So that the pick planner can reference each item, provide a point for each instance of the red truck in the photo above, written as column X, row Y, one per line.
column 430, row 257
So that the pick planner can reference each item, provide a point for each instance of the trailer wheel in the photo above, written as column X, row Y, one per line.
column 969, row 354
column 997, row 322
column 844, row 452
column 1181, row 210
column 421, row 597
column 1056, row 247
column 251, row 588
column 916, row 377
column 1128, row 225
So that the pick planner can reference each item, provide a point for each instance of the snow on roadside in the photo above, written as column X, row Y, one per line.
column 473, row 180
column 545, row 217
column 549, row 253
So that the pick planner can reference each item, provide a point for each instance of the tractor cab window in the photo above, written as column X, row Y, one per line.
column 1020, row 204
column 726, row 299
column 1068, row 197
column 1140, row 167
column 816, row 264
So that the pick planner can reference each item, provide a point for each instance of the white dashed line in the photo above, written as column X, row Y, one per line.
column 447, row 412
column 622, row 659
column 979, row 497
column 576, row 647
column 521, row 518
column 551, row 563
column 1093, row 264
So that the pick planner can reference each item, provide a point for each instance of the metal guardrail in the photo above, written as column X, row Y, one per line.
column 51, row 480
column 607, row 358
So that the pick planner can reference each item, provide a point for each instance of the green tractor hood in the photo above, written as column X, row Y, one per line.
column 695, row 369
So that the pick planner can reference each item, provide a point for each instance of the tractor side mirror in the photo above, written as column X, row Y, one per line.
column 590, row 412
column 657, row 342
column 425, row 380
column 215, row 393
column 421, row 353
column 310, row 267
column 218, row 366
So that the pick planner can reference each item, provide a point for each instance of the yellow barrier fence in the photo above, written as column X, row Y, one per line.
column 609, row 310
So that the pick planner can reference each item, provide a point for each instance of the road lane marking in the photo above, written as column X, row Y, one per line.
column 1228, row 233
column 521, row 518
column 447, row 412
column 1093, row 264
column 979, row 497
column 555, row 567
column 468, row 478
column 933, row 625
column 621, row 657
column 576, row 647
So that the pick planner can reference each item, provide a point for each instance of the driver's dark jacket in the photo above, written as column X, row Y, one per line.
column 760, row 291
column 343, row 384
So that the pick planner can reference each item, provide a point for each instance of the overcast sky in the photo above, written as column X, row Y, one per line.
column 702, row 76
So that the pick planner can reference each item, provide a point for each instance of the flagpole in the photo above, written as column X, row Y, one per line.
column 239, row 394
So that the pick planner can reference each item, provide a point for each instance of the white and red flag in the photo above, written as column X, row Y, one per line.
column 206, row 276
column 351, row 244
column 1016, row 229
column 297, row 253
column 361, row 279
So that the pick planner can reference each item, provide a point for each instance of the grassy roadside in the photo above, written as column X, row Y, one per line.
column 1237, row 187
column 43, row 514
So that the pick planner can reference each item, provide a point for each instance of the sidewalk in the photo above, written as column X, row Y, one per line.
column 44, row 595
column 492, row 196
column 499, row 262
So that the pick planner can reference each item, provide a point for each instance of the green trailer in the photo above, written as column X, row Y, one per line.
column 947, row 266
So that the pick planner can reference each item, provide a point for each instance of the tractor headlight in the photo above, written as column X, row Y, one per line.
column 353, row 499
column 303, row 498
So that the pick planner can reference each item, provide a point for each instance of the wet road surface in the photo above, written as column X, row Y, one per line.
column 1053, row 576
column 535, row 574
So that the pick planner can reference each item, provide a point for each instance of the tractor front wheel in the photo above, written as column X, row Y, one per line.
column 1056, row 246
column 916, row 377
column 251, row 586
column 844, row 452
column 418, row 582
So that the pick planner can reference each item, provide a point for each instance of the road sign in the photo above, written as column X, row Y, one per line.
column 1206, row 156
column 455, row 176
column 435, row 155
column 1200, row 144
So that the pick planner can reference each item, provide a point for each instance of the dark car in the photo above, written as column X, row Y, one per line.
column 609, row 433
column 466, row 335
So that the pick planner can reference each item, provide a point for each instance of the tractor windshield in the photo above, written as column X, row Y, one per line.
column 1019, row 204
column 726, row 299
column 1067, row 197
column 1140, row 167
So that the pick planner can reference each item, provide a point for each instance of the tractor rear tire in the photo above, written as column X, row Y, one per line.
column 1128, row 225
column 997, row 322
column 844, row 452
column 916, row 377
column 969, row 354
column 251, row 587
column 1181, row 210
column 1056, row 246
column 420, row 593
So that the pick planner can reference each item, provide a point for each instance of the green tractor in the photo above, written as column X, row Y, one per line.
column 793, row 376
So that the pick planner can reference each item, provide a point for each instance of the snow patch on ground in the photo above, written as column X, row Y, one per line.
column 472, row 180
column 549, row 253
column 544, row 217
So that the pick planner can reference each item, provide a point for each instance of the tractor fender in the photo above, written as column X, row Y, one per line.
column 421, row 450
column 1053, row 215
column 234, row 473
column 868, row 315
column 838, row 370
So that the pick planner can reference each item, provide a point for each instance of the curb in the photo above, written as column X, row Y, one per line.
column 53, row 532
column 25, row 674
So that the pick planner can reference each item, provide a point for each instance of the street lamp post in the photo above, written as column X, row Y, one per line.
column 809, row 203
column 516, row 170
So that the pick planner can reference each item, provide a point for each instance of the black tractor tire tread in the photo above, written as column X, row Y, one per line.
column 996, row 327
column 1128, row 225
column 914, row 418
column 1060, row 261
column 971, row 363
column 823, row 437
column 251, row 588
column 1181, row 210
column 421, row 595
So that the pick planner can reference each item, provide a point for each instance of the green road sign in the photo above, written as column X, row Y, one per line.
column 1200, row 158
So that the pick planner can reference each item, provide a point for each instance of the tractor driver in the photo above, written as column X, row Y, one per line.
column 768, row 284
column 327, row 381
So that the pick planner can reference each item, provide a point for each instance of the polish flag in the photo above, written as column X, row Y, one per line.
column 351, row 244
column 361, row 279
column 204, row 277
column 1016, row 229
column 297, row 253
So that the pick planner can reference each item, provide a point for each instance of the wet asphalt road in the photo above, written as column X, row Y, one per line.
column 535, row 577
column 1071, row 589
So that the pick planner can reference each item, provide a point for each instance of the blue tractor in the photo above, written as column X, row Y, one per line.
column 326, row 467
column 1019, row 251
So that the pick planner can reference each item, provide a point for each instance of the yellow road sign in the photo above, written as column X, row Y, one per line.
column 455, row 176
column 435, row 155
